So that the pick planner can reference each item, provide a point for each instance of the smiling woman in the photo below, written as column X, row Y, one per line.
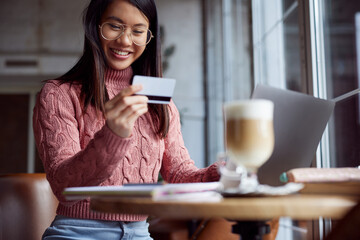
column 92, row 130
column 117, row 39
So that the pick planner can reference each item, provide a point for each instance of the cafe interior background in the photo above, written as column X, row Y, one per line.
column 218, row 50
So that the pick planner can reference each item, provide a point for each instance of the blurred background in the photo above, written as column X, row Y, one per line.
column 218, row 50
column 42, row 39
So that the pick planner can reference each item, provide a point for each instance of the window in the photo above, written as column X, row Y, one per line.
column 314, row 47
column 340, row 32
column 276, row 43
column 334, row 29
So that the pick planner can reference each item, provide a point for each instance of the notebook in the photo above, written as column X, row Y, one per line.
column 299, row 123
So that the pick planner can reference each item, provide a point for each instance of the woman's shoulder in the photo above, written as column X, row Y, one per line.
column 59, row 87
column 56, row 92
column 172, row 107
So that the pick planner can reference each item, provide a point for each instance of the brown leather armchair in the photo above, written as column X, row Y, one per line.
column 27, row 206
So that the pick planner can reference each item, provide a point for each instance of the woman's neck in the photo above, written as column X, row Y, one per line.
column 118, row 78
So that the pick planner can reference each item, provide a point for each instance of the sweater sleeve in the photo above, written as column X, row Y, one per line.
column 56, row 132
column 177, row 166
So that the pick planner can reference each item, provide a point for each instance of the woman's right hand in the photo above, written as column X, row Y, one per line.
column 124, row 109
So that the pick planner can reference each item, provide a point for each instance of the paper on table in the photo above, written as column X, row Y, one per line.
column 74, row 193
column 191, row 192
column 177, row 191
column 207, row 196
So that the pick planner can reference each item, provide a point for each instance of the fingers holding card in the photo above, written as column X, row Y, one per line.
column 124, row 109
column 158, row 90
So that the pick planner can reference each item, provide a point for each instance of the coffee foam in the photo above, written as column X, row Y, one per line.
column 249, row 109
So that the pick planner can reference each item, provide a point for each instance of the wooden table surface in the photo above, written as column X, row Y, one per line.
column 299, row 207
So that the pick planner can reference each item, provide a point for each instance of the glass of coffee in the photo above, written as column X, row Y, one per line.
column 249, row 133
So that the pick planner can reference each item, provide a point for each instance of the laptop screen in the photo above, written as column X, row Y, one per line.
column 299, row 122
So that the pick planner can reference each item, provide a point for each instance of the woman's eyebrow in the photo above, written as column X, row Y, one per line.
column 115, row 18
column 121, row 21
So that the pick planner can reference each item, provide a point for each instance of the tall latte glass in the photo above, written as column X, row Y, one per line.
column 249, row 132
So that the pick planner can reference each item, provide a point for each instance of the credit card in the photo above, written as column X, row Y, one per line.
column 158, row 90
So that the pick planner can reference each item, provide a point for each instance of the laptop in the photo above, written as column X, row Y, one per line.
column 299, row 122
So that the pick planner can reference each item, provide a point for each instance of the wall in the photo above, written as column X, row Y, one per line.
column 182, row 21
column 40, row 39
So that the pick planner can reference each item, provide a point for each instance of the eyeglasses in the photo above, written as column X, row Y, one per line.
column 139, row 35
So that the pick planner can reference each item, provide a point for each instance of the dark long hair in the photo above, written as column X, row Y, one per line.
column 90, row 70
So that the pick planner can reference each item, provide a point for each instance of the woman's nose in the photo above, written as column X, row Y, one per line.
column 125, row 38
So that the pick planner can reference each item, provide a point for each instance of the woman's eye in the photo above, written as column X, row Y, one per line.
column 138, row 31
column 116, row 27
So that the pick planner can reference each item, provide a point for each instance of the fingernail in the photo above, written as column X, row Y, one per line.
column 138, row 86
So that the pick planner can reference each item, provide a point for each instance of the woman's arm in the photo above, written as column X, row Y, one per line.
column 177, row 166
column 56, row 131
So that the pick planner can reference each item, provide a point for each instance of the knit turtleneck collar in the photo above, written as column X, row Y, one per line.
column 118, row 78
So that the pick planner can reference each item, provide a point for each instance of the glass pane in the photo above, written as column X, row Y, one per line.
column 277, row 55
column 341, row 44
column 345, row 134
column 292, row 51
column 271, row 14
column 241, row 57
column 287, row 4
column 273, row 58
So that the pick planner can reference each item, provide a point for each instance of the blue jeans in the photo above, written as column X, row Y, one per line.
column 72, row 228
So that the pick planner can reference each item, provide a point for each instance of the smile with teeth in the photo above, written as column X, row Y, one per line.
column 120, row 52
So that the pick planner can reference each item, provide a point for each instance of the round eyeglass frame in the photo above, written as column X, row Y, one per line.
column 129, row 35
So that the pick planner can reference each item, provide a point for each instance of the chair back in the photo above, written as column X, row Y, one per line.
column 27, row 206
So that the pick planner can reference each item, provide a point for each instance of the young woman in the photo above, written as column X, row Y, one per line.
column 91, row 130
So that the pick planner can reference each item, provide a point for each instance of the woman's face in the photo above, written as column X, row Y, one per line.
column 122, row 52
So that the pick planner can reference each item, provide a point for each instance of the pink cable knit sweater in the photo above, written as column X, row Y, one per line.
column 78, row 149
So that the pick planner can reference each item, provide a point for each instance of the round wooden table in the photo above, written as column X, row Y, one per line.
column 299, row 207
column 250, row 213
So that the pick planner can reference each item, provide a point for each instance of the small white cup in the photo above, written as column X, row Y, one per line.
column 230, row 178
